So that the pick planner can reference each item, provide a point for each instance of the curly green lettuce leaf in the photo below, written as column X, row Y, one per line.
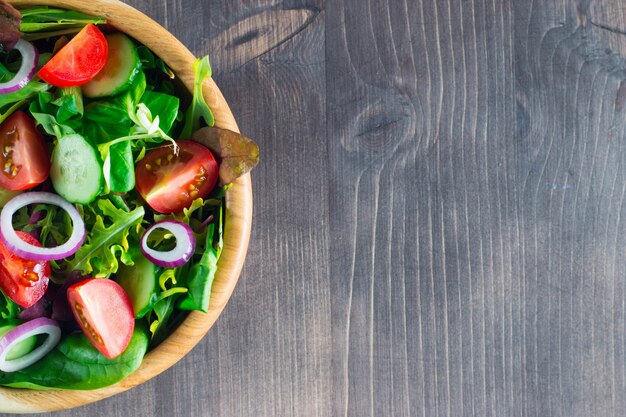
column 107, row 241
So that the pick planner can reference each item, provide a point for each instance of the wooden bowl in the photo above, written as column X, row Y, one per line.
column 237, row 223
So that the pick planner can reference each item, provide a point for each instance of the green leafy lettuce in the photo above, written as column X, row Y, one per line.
column 107, row 240
column 75, row 364
column 198, row 108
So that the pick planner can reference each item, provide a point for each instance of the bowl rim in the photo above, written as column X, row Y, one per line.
column 238, row 218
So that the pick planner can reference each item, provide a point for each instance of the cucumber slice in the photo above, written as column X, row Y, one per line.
column 21, row 348
column 140, row 282
column 119, row 71
column 75, row 170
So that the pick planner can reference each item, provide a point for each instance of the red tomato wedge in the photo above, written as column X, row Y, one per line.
column 104, row 312
column 24, row 158
column 78, row 61
column 22, row 280
column 170, row 182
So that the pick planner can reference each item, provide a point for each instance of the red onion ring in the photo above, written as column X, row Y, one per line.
column 35, row 327
column 185, row 244
column 32, row 252
column 30, row 56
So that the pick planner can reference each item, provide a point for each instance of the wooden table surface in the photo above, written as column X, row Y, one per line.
column 439, row 224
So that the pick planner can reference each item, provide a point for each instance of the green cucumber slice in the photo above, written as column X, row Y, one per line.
column 22, row 348
column 75, row 170
column 140, row 282
column 122, row 66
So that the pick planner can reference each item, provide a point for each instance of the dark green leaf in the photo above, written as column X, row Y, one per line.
column 201, row 274
column 75, row 364
column 8, row 309
column 163, row 310
column 28, row 92
column 107, row 120
column 50, row 124
column 163, row 105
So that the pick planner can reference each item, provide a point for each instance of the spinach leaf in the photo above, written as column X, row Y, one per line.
column 77, row 365
column 165, row 105
column 198, row 108
column 119, row 169
column 70, row 104
column 45, row 111
column 146, row 128
column 106, row 241
column 106, row 120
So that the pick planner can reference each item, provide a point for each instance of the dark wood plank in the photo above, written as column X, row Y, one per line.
column 478, row 156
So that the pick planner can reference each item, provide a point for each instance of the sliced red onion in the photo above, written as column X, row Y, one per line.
column 35, row 327
column 185, row 244
column 27, row 69
column 32, row 252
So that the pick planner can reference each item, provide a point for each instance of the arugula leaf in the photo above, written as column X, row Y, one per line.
column 198, row 108
column 106, row 242
column 201, row 274
column 75, row 364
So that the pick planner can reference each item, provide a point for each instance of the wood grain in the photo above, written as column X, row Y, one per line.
column 438, row 226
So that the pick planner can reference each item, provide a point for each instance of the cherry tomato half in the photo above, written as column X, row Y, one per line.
column 24, row 159
column 22, row 280
column 169, row 182
column 104, row 312
column 78, row 61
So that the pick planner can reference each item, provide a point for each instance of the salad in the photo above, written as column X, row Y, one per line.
column 112, row 187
